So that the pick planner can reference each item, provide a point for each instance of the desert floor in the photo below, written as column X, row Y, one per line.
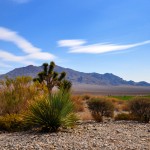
column 110, row 90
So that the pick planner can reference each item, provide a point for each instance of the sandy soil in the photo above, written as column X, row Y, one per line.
column 110, row 90
column 86, row 136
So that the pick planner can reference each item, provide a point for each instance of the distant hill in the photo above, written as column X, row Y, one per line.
column 76, row 77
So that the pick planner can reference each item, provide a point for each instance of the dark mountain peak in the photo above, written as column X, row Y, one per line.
column 76, row 76
column 143, row 83
column 30, row 66
column 110, row 75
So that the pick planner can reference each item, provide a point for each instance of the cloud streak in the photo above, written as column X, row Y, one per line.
column 20, row 42
column 97, row 48
column 30, row 52
column 9, row 57
column 70, row 43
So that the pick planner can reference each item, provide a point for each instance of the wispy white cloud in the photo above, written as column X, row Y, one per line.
column 9, row 57
column 71, row 43
column 97, row 48
column 6, row 56
column 30, row 52
column 41, row 56
column 11, row 36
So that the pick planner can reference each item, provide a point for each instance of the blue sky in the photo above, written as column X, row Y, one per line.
column 85, row 35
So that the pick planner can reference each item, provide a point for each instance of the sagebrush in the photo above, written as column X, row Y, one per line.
column 12, row 122
column 140, row 108
column 16, row 93
column 100, row 108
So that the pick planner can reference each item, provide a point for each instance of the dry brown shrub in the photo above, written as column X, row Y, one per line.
column 87, row 96
column 85, row 116
column 119, row 105
column 100, row 107
column 15, row 94
column 124, row 116
column 78, row 102
column 140, row 108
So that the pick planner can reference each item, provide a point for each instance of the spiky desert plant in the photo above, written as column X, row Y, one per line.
column 52, row 112
column 49, row 76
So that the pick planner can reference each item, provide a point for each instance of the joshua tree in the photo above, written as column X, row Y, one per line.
column 65, row 86
column 50, row 77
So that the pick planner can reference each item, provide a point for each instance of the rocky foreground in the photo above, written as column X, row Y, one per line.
column 86, row 136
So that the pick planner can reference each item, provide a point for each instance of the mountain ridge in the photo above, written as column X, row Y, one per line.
column 76, row 77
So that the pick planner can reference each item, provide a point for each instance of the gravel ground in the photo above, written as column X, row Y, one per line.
column 86, row 136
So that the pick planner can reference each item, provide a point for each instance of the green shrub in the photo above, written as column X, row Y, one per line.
column 124, row 116
column 13, row 122
column 140, row 108
column 52, row 112
column 100, row 108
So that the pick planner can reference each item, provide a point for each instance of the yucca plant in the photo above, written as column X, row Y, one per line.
column 52, row 112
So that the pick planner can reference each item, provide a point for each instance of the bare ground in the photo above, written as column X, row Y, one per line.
column 86, row 136
column 110, row 90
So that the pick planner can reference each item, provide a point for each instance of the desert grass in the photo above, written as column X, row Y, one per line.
column 16, row 94
column 83, row 111
column 78, row 102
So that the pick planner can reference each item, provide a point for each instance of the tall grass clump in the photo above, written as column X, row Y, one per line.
column 16, row 93
column 140, row 108
column 100, row 108
column 12, row 122
column 52, row 112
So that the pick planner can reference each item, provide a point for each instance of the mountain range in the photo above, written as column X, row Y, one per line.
column 76, row 77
